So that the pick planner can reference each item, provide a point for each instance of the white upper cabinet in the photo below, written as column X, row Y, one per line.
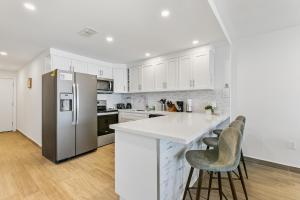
column 62, row 63
column 93, row 69
column 120, row 80
column 148, row 77
column 106, row 72
column 185, row 72
column 172, row 73
column 161, row 72
column 79, row 66
column 135, row 78
column 201, row 72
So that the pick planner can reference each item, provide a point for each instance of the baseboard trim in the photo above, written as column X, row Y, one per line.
column 272, row 164
column 33, row 142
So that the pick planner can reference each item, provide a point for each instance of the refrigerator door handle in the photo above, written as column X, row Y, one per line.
column 74, row 105
column 77, row 103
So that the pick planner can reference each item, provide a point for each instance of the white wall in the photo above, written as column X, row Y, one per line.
column 29, row 101
column 266, row 89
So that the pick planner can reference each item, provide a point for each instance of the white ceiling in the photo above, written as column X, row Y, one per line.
column 244, row 18
column 136, row 26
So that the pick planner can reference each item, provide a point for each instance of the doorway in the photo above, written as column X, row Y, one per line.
column 6, row 104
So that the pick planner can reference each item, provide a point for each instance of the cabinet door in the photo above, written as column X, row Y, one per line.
column 106, row 72
column 201, row 72
column 134, row 84
column 62, row 63
column 172, row 74
column 185, row 66
column 160, row 76
column 148, row 77
column 120, row 80
column 79, row 66
column 93, row 69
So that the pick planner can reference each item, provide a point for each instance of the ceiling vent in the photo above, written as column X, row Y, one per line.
column 87, row 32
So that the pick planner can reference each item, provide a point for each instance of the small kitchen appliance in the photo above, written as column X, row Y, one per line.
column 179, row 106
column 189, row 105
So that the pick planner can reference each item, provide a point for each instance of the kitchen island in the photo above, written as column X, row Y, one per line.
column 150, row 154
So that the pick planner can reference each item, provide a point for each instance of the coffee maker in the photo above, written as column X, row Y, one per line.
column 180, row 105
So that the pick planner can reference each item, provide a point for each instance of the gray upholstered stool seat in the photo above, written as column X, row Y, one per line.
column 211, row 141
column 218, row 132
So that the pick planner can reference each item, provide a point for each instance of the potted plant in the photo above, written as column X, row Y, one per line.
column 209, row 109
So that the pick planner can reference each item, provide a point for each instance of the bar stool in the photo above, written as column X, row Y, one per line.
column 225, row 158
column 213, row 141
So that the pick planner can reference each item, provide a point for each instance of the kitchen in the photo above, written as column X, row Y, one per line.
column 106, row 109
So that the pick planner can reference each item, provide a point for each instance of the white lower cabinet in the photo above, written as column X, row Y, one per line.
column 120, row 80
column 130, row 116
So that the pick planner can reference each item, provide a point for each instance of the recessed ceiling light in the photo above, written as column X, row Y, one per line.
column 3, row 53
column 195, row 42
column 29, row 6
column 109, row 39
column 147, row 54
column 165, row 13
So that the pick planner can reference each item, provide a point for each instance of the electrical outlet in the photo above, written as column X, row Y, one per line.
column 291, row 145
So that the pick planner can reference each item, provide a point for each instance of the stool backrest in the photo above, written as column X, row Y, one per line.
column 241, row 118
column 238, row 125
column 230, row 144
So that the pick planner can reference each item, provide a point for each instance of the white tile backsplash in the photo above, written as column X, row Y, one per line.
column 200, row 98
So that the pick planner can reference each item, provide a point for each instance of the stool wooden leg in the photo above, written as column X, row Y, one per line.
column 244, row 164
column 209, row 184
column 199, row 184
column 220, row 185
column 188, row 182
column 243, row 182
column 232, row 186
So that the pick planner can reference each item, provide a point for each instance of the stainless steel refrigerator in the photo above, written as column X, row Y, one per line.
column 69, row 104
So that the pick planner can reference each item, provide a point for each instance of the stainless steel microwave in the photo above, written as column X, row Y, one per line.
column 105, row 86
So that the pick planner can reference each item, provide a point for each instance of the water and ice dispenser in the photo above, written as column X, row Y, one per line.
column 66, row 102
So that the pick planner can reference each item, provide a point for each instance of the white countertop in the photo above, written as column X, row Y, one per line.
column 177, row 127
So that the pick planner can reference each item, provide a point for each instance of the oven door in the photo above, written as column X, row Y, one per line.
column 103, row 124
column 105, row 86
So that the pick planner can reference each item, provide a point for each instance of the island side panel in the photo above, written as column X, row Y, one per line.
column 136, row 166
column 174, row 169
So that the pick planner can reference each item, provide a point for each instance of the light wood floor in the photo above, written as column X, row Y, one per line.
column 25, row 174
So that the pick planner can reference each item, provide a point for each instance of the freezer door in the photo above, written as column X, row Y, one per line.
column 86, row 122
column 65, row 129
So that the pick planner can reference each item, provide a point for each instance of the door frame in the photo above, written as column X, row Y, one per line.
column 13, row 78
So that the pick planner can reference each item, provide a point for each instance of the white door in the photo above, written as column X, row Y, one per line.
column 58, row 62
column 185, row 66
column 160, row 76
column 201, row 72
column 79, row 66
column 6, row 104
column 120, row 80
column 148, row 80
column 172, row 74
